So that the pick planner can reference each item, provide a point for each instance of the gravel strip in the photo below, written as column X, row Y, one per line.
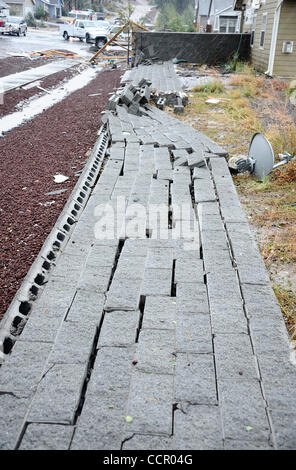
column 18, row 95
column 11, row 65
column 54, row 142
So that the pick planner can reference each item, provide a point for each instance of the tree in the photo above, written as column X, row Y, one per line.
column 40, row 12
column 176, row 15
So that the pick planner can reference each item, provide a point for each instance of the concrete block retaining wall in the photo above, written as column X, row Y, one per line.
column 210, row 49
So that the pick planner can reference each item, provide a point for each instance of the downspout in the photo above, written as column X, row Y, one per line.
column 196, row 14
column 274, row 36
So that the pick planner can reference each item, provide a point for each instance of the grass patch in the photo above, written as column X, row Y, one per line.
column 211, row 86
column 287, row 301
column 282, row 138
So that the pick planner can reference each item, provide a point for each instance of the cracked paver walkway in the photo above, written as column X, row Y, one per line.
column 184, row 335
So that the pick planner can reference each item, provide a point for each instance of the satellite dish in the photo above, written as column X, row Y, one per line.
column 260, row 159
column 261, row 153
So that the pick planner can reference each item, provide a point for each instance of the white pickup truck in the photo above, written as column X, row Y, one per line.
column 4, row 12
column 91, row 31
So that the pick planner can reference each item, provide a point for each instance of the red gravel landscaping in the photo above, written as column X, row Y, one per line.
column 13, row 97
column 56, row 141
column 10, row 65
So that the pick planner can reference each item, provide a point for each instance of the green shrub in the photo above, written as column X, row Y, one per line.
column 30, row 20
column 40, row 12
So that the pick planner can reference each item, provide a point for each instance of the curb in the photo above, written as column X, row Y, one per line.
column 19, row 310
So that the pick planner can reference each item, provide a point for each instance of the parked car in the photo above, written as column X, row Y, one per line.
column 16, row 25
column 88, row 30
column 100, row 15
column 99, row 33
column 4, row 12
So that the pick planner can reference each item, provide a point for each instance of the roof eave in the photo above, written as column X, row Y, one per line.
column 239, row 5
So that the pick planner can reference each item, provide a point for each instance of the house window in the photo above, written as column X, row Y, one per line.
column 228, row 24
column 216, row 25
column 263, row 30
column 253, row 29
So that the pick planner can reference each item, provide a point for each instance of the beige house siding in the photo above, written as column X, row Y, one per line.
column 15, row 8
column 259, row 56
column 21, row 9
column 29, row 6
column 285, row 64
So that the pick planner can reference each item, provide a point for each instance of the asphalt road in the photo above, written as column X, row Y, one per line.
column 39, row 40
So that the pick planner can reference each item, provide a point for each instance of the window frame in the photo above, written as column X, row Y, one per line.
column 253, row 30
column 263, row 31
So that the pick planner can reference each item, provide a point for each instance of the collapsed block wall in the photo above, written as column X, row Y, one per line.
column 208, row 49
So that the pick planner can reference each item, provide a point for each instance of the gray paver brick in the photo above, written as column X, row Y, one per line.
column 147, row 442
column 285, row 429
column 95, row 279
column 193, row 333
column 198, row 428
column 211, row 223
column 229, row 321
column 150, row 404
column 129, row 268
column 189, row 270
column 214, row 240
column 204, row 191
column 243, row 410
column 279, row 390
column 41, row 328
column 159, row 258
column 159, row 313
column 234, row 444
column 102, row 429
column 46, row 437
column 155, row 352
column 234, row 357
column 74, row 343
column 157, row 282
column 260, row 300
column 13, row 409
column 119, row 328
column 192, row 298
column 113, row 380
column 58, row 394
column 103, row 256
column 23, row 369
column 195, row 379
column 124, row 294
column 87, row 306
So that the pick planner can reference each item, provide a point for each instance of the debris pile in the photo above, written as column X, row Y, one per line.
column 132, row 119
column 132, row 98
column 166, row 89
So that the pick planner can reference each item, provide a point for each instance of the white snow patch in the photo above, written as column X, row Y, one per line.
column 39, row 105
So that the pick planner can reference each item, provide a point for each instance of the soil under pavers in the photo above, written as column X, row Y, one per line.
column 56, row 141
column 13, row 97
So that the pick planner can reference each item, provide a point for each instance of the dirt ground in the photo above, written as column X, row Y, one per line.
column 254, row 103
column 56, row 141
